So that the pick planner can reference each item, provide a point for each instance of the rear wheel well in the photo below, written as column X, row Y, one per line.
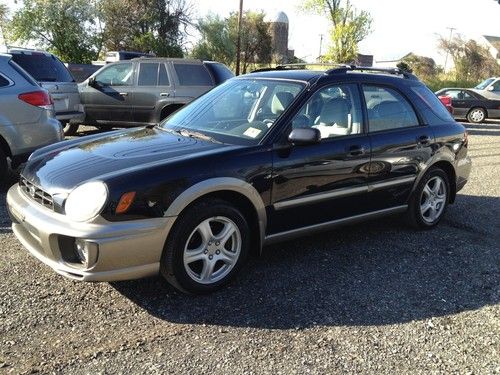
column 244, row 205
column 169, row 109
column 452, row 178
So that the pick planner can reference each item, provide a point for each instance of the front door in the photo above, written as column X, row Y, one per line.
column 111, row 96
column 318, row 183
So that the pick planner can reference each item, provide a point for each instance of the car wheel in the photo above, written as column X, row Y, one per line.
column 430, row 199
column 70, row 129
column 476, row 115
column 206, row 247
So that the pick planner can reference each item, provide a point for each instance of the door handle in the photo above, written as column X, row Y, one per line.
column 356, row 151
column 424, row 140
column 123, row 93
column 164, row 94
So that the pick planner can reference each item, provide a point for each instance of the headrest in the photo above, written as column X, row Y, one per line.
column 281, row 100
column 335, row 111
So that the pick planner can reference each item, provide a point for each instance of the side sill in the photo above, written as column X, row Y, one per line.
column 294, row 233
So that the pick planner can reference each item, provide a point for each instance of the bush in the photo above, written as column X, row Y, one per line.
column 438, row 84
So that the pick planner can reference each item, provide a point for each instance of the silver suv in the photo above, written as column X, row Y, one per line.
column 489, row 88
column 52, row 75
column 26, row 115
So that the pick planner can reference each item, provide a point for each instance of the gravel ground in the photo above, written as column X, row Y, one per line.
column 376, row 297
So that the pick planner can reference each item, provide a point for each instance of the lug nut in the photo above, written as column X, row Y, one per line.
column 209, row 243
column 206, row 251
column 217, row 243
column 210, row 257
column 217, row 252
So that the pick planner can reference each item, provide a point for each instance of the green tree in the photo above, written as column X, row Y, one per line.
column 146, row 25
column 349, row 27
column 424, row 67
column 472, row 61
column 68, row 28
column 4, row 13
column 219, row 36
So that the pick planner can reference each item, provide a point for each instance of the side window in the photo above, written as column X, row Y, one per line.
column 334, row 110
column 148, row 74
column 387, row 109
column 116, row 75
column 4, row 81
column 458, row 94
column 496, row 86
column 163, row 76
column 193, row 75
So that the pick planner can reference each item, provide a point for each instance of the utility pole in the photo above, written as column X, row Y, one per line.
column 238, row 43
column 449, row 40
column 320, row 45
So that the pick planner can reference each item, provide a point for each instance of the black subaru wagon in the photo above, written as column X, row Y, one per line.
column 264, row 157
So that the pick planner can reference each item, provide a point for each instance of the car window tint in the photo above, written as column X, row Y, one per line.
column 388, row 109
column 44, row 68
column 116, row 75
column 219, row 71
column 23, row 73
column 4, row 81
column 163, row 76
column 432, row 102
column 496, row 86
column 334, row 110
column 192, row 75
column 148, row 74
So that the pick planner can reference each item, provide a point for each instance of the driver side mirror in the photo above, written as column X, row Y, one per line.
column 304, row 136
column 490, row 88
column 93, row 82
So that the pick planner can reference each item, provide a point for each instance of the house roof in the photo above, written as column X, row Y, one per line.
column 494, row 41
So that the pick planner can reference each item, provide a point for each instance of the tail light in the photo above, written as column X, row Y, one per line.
column 445, row 99
column 37, row 98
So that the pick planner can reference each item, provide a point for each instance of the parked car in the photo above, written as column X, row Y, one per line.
column 446, row 100
column 489, row 88
column 27, row 119
column 469, row 104
column 52, row 75
column 262, row 158
column 145, row 90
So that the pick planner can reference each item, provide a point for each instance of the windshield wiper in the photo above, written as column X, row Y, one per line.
column 193, row 134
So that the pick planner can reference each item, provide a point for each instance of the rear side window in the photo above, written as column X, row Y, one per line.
column 148, row 74
column 4, row 81
column 44, row 68
column 163, row 76
column 192, row 75
column 432, row 102
column 23, row 73
column 219, row 71
column 388, row 109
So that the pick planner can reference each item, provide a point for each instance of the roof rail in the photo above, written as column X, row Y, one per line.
column 394, row 71
column 293, row 66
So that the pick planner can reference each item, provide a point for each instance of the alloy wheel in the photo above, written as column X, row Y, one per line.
column 433, row 199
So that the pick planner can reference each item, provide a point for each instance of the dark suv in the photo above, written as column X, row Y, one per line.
column 262, row 158
column 145, row 90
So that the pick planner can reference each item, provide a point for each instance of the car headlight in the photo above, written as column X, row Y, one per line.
column 86, row 201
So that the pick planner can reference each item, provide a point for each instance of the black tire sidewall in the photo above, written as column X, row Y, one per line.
column 475, row 109
column 172, row 264
column 415, row 214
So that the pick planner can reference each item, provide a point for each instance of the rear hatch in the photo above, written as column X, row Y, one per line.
column 52, row 75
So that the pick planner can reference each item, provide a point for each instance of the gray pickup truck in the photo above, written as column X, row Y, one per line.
column 144, row 90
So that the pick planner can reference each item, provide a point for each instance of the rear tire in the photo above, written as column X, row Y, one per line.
column 69, row 128
column 206, row 248
column 476, row 115
column 429, row 200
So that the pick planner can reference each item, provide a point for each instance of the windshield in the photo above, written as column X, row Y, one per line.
column 240, row 111
column 484, row 84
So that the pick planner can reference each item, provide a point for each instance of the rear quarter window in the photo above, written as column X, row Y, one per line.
column 4, row 81
column 23, row 73
column 432, row 102
column 44, row 68
column 193, row 75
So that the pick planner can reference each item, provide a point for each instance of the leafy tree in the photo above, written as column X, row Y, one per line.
column 404, row 66
column 472, row 61
column 4, row 12
column 146, row 25
column 423, row 67
column 219, row 36
column 349, row 27
column 68, row 28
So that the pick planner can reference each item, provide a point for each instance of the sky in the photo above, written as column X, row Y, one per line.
column 399, row 26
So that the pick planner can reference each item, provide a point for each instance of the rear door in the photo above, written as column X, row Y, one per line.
column 400, row 144
column 110, row 99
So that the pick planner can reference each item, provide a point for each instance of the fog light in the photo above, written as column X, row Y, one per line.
column 86, row 251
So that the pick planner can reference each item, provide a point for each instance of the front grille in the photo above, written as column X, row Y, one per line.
column 37, row 194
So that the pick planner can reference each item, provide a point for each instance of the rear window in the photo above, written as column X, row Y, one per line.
column 44, row 68
column 432, row 101
column 193, row 75
column 220, row 72
column 4, row 81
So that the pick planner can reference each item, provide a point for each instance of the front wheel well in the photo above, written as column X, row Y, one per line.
column 447, row 167
column 169, row 109
column 244, row 205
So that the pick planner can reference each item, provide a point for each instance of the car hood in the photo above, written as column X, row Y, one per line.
column 61, row 167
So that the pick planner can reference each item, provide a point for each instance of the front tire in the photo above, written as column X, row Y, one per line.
column 206, row 247
column 429, row 200
column 476, row 115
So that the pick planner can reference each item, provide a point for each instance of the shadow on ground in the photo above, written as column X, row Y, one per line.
column 489, row 128
column 370, row 274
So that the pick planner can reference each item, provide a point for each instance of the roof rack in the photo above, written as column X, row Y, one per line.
column 394, row 71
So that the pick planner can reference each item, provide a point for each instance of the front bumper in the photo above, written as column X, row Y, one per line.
column 125, row 250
